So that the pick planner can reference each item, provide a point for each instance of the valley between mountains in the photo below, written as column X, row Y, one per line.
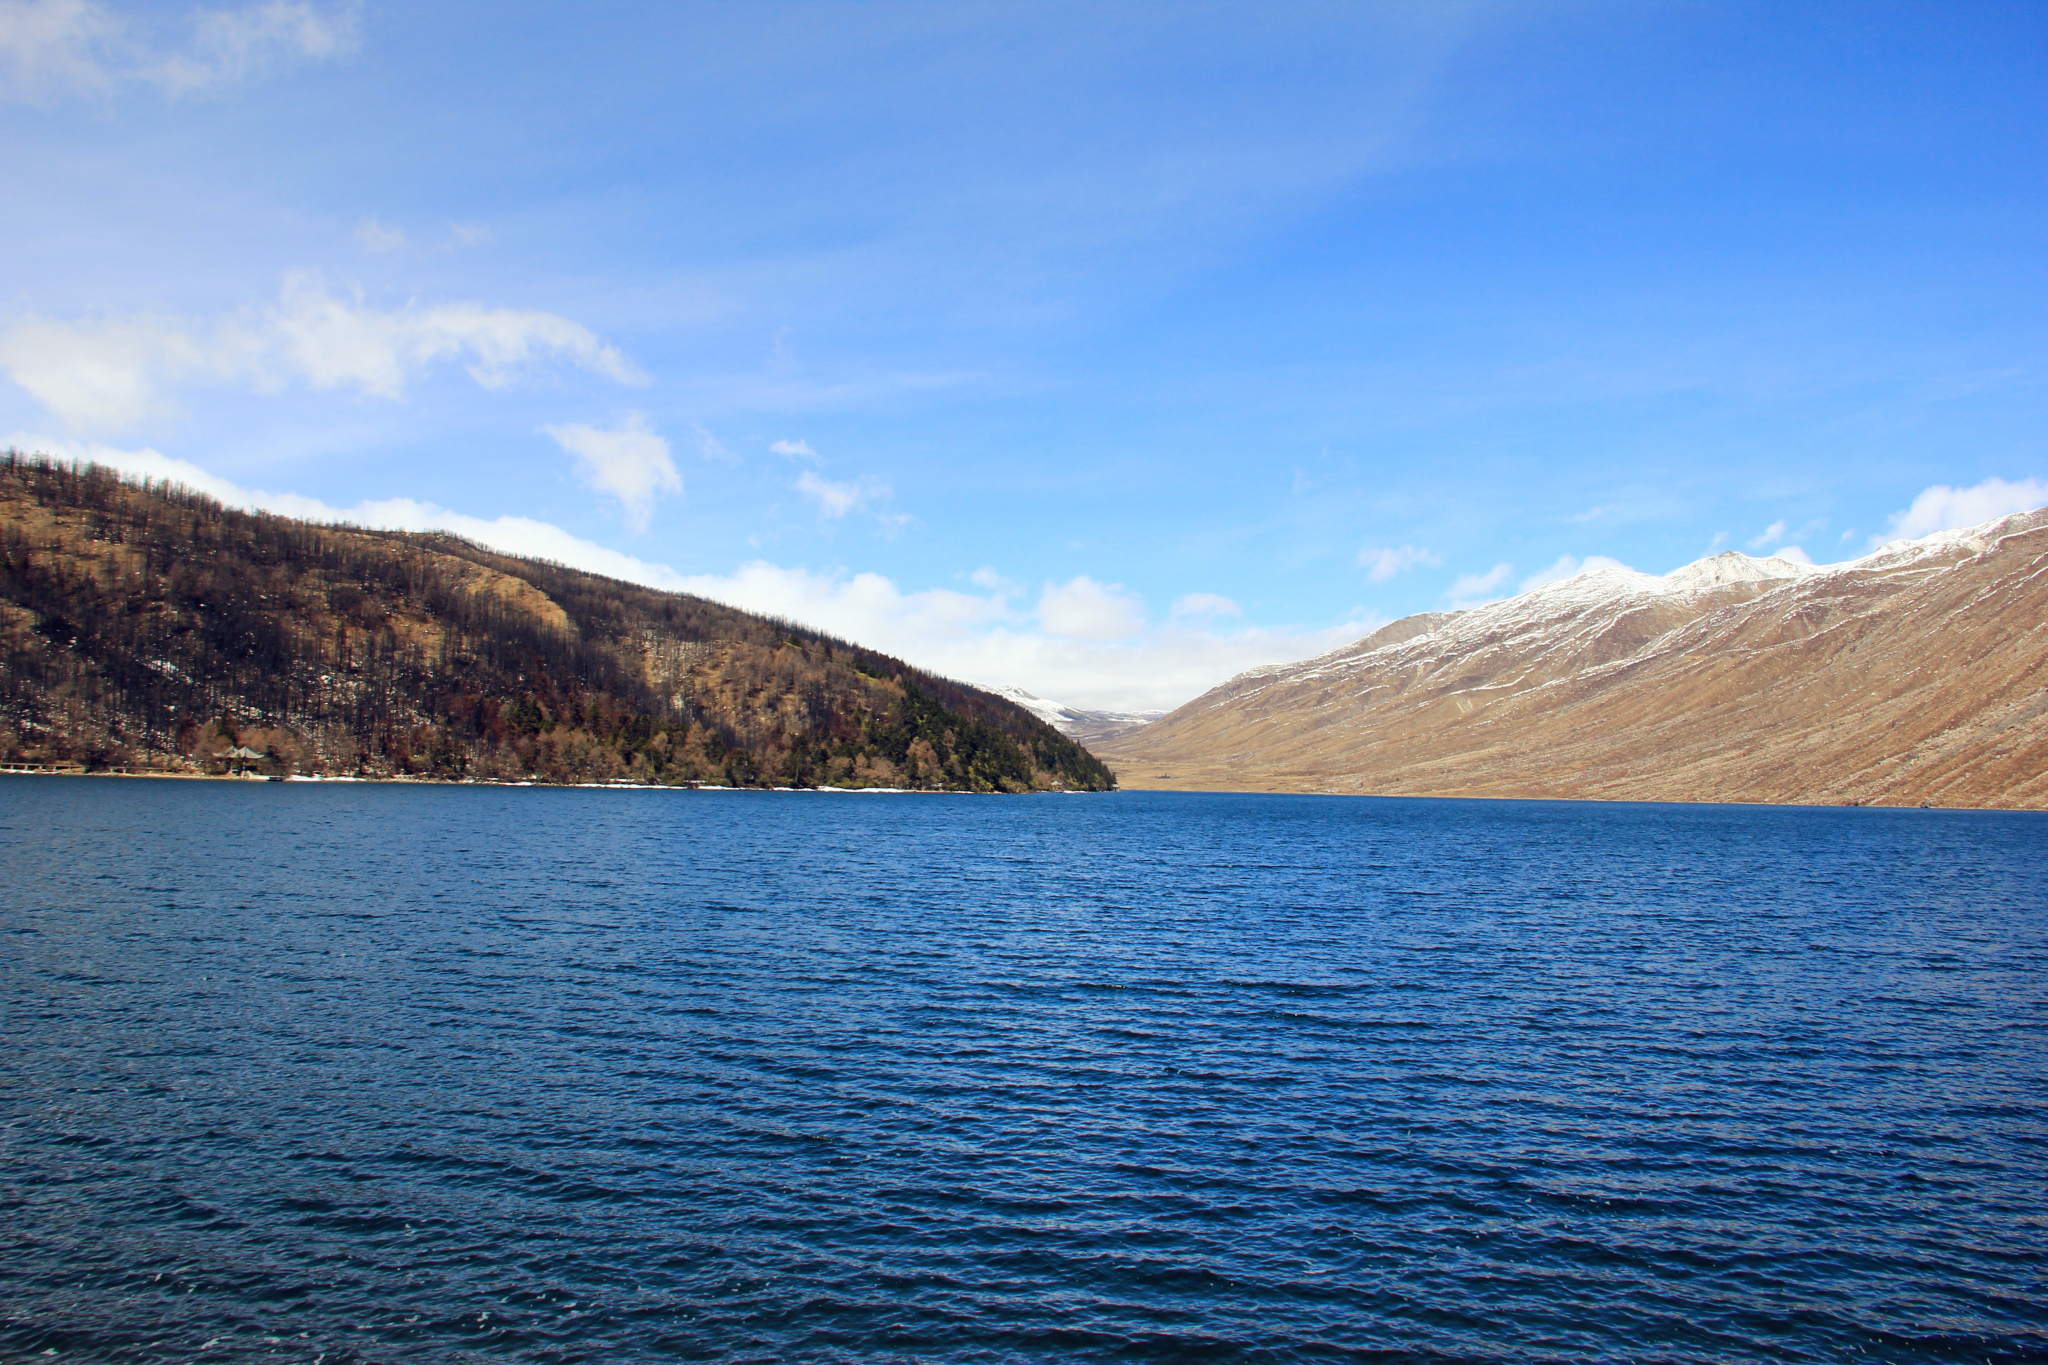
column 150, row 628
column 1912, row 676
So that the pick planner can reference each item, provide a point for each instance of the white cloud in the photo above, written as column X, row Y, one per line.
column 1088, row 610
column 105, row 376
column 110, row 374
column 987, row 577
column 1793, row 553
column 333, row 340
column 1471, row 589
column 1206, row 604
column 1941, row 508
column 835, row 499
column 56, row 47
column 710, row 447
column 629, row 461
column 52, row 45
column 979, row 638
column 1771, row 535
column 232, row 45
column 469, row 234
column 376, row 236
column 1381, row 564
column 799, row 450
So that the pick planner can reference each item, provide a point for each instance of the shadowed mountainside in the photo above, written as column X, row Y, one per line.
column 1914, row 675
column 143, row 625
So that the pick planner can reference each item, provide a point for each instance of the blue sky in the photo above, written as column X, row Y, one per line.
column 1099, row 349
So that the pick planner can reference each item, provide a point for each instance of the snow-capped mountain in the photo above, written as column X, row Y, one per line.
column 1084, row 727
column 1913, row 674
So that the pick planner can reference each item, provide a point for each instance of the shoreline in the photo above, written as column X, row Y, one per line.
column 397, row 780
column 307, row 779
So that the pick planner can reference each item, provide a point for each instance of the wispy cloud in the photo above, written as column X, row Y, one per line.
column 1471, row 589
column 232, row 45
column 105, row 375
column 836, row 498
column 334, row 340
column 55, row 48
column 1205, row 604
column 1770, row 535
column 796, row 450
column 1381, row 564
column 1942, row 508
column 1775, row 539
column 629, row 461
column 376, row 236
column 987, row 577
column 710, row 447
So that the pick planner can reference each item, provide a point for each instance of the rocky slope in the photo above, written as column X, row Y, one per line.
column 147, row 626
column 1914, row 675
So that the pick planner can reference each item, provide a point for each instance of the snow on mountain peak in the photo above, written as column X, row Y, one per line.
column 1594, row 583
column 1961, row 540
column 1051, row 712
column 1733, row 566
column 1606, row 581
column 1072, row 721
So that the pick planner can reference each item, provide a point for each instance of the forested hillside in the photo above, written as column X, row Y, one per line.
column 143, row 625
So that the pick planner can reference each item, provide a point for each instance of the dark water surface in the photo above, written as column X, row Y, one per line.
column 435, row 1074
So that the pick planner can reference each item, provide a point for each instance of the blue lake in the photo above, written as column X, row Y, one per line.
column 380, row 1073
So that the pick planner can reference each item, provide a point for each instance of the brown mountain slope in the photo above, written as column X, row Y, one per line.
column 1913, row 675
column 147, row 626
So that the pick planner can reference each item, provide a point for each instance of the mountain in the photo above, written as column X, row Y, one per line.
column 143, row 625
column 1083, row 727
column 1913, row 675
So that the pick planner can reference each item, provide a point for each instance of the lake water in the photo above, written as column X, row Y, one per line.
column 383, row 1073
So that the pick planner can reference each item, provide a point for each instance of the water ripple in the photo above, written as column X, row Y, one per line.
column 380, row 1074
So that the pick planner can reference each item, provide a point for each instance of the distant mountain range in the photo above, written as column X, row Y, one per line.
column 1913, row 675
column 146, row 626
column 1083, row 727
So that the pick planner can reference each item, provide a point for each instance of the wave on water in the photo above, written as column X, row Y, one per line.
column 380, row 1073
